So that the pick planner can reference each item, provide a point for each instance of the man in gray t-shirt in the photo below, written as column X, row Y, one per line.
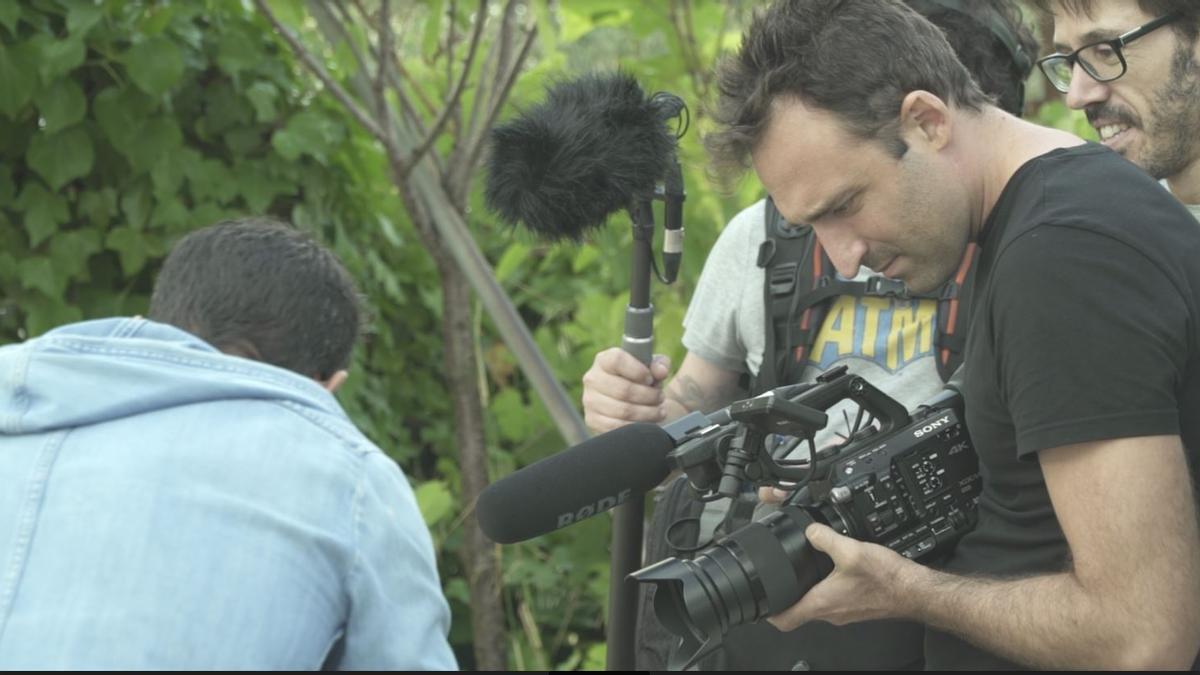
column 888, row 341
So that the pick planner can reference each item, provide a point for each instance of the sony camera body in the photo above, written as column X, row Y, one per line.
column 908, row 482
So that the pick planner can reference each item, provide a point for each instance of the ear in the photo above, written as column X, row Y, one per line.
column 336, row 380
column 925, row 119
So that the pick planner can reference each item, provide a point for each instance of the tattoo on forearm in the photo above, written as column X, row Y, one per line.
column 689, row 394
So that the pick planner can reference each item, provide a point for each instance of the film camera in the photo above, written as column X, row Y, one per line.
column 908, row 482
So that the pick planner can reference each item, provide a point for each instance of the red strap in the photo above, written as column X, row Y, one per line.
column 959, row 277
column 818, row 258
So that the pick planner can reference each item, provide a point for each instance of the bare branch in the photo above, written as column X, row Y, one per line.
column 319, row 70
column 346, row 20
column 490, row 86
column 452, row 102
column 451, row 39
column 474, row 147
column 387, row 47
column 412, row 84
column 361, row 10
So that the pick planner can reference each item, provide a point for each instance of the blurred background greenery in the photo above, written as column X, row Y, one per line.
column 126, row 123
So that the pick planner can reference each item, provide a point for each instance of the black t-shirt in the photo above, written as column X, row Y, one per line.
column 1084, row 328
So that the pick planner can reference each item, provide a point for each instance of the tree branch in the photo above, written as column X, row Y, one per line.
column 474, row 147
column 452, row 102
column 387, row 47
column 319, row 70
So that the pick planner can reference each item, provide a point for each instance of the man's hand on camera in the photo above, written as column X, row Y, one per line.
column 618, row 389
column 865, row 584
column 772, row 495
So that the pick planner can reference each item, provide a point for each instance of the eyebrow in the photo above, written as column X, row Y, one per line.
column 1091, row 37
column 838, row 200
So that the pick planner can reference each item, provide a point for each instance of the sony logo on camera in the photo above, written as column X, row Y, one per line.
column 932, row 426
column 604, row 504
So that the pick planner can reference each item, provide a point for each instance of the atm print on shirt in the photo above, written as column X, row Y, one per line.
column 889, row 332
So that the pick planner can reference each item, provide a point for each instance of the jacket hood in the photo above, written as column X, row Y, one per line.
column 107, row 369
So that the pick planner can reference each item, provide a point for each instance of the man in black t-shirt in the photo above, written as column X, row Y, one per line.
column 1082, row 369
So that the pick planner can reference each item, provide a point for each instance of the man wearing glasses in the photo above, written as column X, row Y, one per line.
column 1133, row 68
column 1082, row 368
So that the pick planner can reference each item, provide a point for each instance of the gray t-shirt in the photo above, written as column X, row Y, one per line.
column 889, row 342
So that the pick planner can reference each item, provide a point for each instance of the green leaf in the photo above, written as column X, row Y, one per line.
column 43, row 314
column 262, row 96
column 206, row 214
column 210, row 179
column 57, row 58
column 156, row 19
column 258, row 186
column 130, row 248
column 512, row 415
column 153, row 139
column 516, row 254
column 136, row 205
column 155, row 65
column 98, row 206
column 44, row 211
column 387, row 227
column 10, row 13
column 166, row 174
column 122, row 112
column 171, row 214
column 8, row 267
column 433, row 26
column 61, row 157
column 70, row 252
column 584, row 257
column 308, row 133
column 225, row 108
column 8, row 189
column 244, row 141
column 435, row 501
column 18, row 77
column 82, row 15
column 237, row 51
column 38, row 272
column 61, row 105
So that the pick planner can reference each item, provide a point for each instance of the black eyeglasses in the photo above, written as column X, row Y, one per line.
column 1102, row 60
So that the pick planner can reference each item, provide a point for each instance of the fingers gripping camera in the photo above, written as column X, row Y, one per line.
column 912, row 486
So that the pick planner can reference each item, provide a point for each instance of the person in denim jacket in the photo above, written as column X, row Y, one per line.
column 185, row 492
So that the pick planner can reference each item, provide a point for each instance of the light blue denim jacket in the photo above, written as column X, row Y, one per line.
column 166, row 506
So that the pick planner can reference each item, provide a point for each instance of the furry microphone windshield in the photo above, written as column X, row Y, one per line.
column 571, row 161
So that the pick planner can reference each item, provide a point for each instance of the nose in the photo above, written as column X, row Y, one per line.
column 845, row 249
column 1085, row 90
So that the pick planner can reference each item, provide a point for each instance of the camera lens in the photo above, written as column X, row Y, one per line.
column 757, row 571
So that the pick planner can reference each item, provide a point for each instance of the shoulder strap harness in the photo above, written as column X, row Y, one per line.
column 799, row 280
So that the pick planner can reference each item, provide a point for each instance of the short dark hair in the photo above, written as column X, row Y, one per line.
column 1188, row 27
column 855, row 58
column 990, row 38
column 259, row 288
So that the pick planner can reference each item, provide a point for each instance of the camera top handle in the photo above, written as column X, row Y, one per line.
column 803, row 415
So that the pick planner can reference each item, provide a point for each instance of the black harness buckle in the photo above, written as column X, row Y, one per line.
column 887, row 288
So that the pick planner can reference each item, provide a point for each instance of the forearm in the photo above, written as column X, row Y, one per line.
column 686, row 394
column 1049, row 621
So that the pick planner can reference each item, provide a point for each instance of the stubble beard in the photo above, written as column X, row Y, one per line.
column 1174, row 126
